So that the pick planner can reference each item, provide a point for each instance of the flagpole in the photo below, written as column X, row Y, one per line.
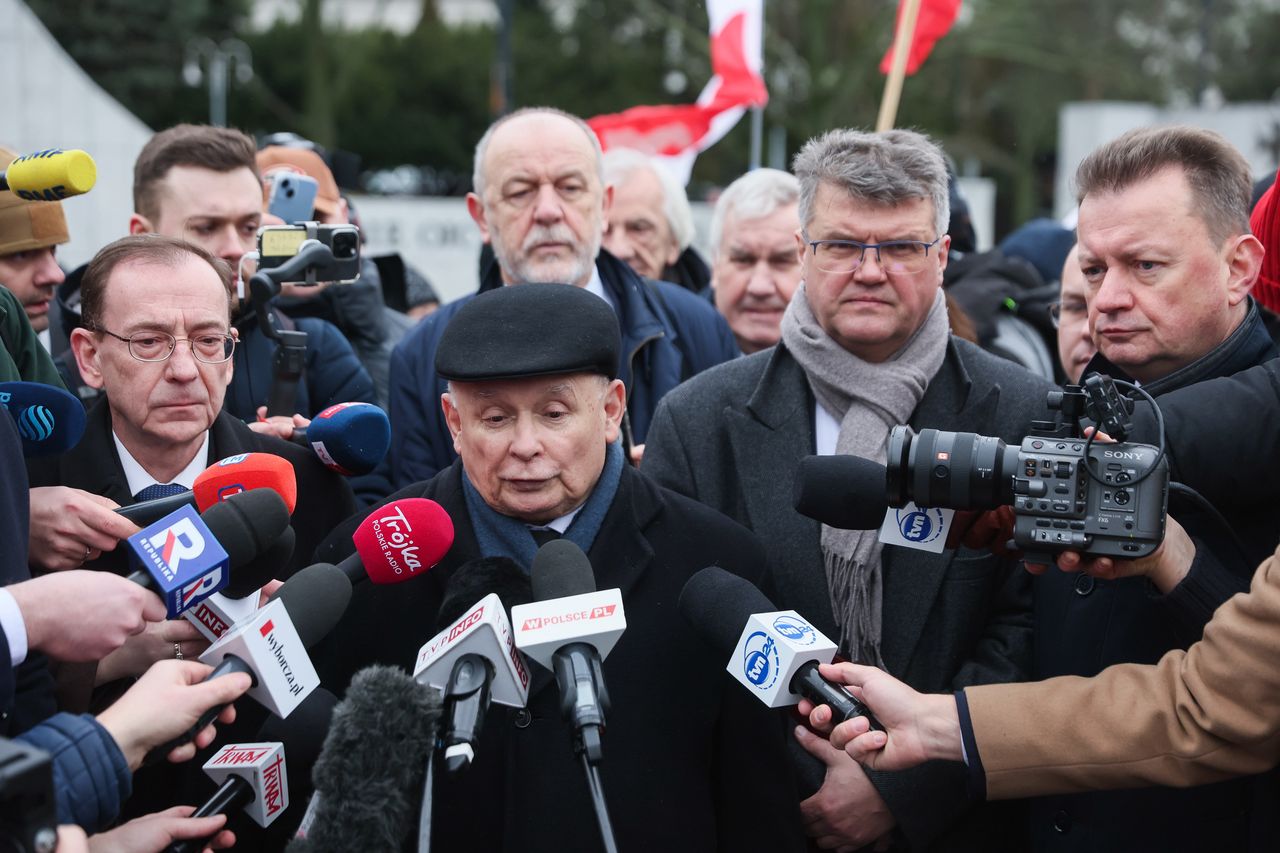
column 898, row 71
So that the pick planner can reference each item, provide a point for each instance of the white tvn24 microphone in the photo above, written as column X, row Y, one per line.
column 570, row 628
column 776, row 654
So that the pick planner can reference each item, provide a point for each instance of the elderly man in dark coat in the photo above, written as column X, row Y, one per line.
column 691, row 762
column 865, row 346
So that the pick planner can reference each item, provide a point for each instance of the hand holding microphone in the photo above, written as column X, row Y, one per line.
column 169, row 699
column 82, row 616
column 70, row 527
column 154, row 832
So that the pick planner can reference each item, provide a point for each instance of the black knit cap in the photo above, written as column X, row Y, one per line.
column 530, row 330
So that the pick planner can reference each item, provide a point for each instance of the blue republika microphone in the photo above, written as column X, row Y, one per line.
column 185, row 557
column 350, row 438
column 182, row 558
column 49, row 420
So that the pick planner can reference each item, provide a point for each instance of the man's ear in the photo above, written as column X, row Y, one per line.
column 615, row 406
column 86, row 348
column 1244, row 264
column 139, row 224
column 475, row 207
column 452, row 417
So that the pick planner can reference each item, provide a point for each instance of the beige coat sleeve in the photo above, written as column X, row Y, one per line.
column 1196, row 716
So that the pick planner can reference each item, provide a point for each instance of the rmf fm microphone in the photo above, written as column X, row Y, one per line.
column 50, row 175
column 185, row 557
column 49, row 420
column 776, row 655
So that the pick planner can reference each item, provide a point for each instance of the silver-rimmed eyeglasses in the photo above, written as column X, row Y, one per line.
column 901, row 257
column 209, row 347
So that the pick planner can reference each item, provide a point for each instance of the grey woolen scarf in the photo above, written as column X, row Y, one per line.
column 868, row 399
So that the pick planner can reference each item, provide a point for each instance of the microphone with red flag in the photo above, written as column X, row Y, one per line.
column 232, row 475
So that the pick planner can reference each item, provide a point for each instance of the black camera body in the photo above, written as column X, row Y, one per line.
column 28, row 806
column 1058, row 506
column 1103, row 500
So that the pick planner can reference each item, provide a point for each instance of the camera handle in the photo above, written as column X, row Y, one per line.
column 290, row 357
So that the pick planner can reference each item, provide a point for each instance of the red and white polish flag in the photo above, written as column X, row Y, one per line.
column 674, row 134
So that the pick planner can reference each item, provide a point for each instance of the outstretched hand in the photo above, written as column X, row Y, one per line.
column 918, row 727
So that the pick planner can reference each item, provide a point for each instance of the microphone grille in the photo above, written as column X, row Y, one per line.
column 560, row 569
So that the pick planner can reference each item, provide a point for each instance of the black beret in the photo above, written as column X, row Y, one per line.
column 530, row 330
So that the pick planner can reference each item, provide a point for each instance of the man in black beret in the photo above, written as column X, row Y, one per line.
column 691, row 761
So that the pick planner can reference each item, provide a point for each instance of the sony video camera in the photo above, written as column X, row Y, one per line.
column 280, row 244
column 1067, row 492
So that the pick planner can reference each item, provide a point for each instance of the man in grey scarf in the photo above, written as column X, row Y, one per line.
column 865, row 346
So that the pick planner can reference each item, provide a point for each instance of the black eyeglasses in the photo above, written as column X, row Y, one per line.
column 901, row 257
column 1060, row 309
column 210, row 348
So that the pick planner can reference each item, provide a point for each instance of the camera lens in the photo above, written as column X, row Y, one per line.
column 344, row 245
column 957, row 470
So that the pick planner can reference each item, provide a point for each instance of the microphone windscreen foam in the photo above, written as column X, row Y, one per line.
column 269, row 565
column 350, row 438
column 401, row 539
column 243, row 472
column 560, row 570
column 847, row 492
column 475, row 579
column 51, row 175
column 717, row 604
column 247, row 524
column 49, row 420
column 370, row 773
column 315, row 598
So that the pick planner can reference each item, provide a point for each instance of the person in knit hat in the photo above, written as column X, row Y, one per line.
column 30, row 232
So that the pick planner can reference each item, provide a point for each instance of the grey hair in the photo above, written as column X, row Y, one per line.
column 477, row 170
column 1219, row 176
column 883, row 168
column 621, row 162
column 755, row 195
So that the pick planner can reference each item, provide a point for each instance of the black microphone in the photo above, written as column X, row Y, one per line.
column 562, row 574
column 847, row 492
column 313, row 601
column 466, row 693
column 371, row 770
column 302, row 738
column 779, row 654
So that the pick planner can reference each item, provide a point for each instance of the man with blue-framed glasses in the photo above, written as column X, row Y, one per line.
column 865, row 345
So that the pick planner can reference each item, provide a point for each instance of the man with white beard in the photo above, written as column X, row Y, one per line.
column 540, row 201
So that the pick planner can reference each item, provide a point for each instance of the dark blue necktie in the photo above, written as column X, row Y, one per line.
column 152, row 492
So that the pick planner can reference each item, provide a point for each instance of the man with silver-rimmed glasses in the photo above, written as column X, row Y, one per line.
column 156, row 337
column 865, row 346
